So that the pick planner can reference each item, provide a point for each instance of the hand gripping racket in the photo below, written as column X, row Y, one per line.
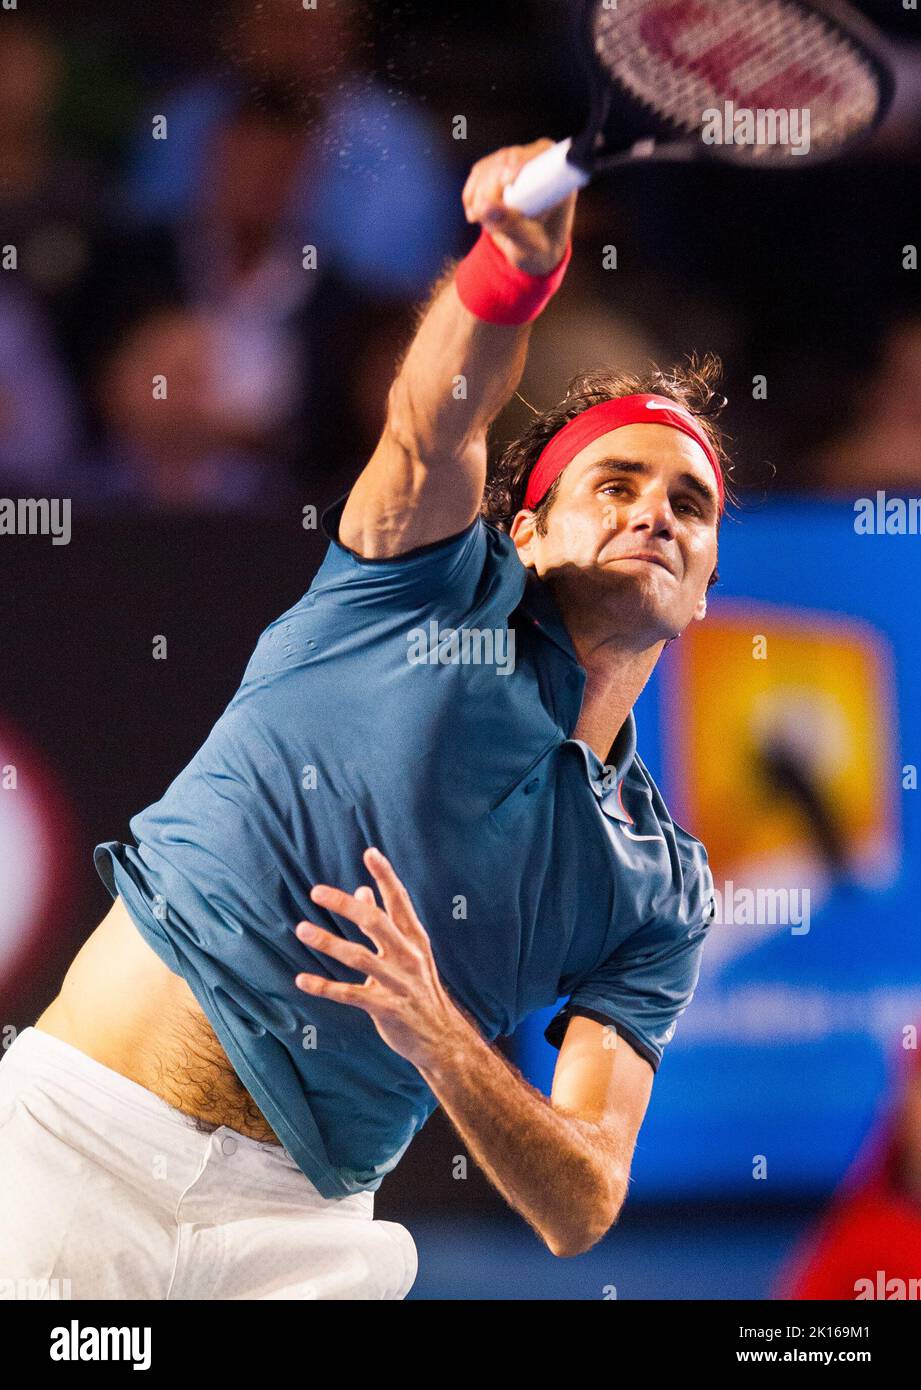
column 658, row 67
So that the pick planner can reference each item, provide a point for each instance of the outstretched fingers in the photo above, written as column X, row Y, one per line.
column 363, row 911
column 394, row 894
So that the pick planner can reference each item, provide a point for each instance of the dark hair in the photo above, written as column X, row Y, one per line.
column 692, row 385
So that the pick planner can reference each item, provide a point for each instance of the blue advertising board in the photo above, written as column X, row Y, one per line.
column 785, row 732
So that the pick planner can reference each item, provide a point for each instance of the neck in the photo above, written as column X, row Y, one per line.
column 611, row 691
column 617, row 668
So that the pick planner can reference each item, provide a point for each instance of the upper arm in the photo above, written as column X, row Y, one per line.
column 602, row 1079
column 400, row 501
column 425, row 479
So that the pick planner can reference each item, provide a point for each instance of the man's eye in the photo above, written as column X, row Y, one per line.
column 615, row 487
column 688, row 505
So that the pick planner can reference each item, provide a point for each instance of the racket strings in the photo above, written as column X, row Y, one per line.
column 680, row 58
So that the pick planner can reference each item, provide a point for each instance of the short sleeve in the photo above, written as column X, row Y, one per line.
column 648, row 982
column 444, row 575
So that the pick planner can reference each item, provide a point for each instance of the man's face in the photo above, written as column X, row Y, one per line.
column 631, row 534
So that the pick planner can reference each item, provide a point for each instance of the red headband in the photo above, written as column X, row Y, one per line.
column 601, row 419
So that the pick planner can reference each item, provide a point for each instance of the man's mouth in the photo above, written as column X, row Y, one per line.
column 651, row 557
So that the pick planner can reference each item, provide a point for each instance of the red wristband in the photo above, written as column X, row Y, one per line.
column 497, row 291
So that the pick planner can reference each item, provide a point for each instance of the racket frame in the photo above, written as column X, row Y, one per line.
column 666, row 141
column 570, row 164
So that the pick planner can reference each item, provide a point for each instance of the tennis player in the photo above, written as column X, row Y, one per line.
column 209, row 1104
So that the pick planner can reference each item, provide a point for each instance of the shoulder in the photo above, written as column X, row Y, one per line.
column 479, row 546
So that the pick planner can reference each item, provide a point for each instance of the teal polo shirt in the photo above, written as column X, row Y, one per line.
column 383, row 709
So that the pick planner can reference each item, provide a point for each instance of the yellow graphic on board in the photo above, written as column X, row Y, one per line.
column 781, row 723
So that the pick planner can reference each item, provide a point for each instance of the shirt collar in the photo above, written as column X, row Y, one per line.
column 538, row 605
column 620, row 757
column 607, row 779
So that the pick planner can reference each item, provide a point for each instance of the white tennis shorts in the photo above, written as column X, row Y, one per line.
column 108, row 1192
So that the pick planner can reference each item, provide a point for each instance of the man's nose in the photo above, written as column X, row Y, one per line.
column 652, row 513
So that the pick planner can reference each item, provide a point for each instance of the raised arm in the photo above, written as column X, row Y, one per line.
column 425, row 479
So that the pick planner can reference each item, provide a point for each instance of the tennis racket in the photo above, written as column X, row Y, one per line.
column 668, row 71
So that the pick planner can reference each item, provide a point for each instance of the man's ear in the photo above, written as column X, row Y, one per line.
column 523, row 533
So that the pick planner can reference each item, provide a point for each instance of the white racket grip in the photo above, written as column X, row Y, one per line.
column 544, row 181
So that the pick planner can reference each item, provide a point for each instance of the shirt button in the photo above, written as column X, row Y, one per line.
column 532, row 786
column 228, row 1145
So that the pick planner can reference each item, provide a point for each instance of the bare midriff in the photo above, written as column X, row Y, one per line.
column 123, row 1007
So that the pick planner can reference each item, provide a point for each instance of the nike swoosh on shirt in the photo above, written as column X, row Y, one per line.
column 630, row 835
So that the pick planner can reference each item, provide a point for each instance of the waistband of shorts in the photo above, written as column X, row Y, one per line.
column 37, row 1053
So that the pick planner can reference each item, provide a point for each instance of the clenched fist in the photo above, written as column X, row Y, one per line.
column 534, row 244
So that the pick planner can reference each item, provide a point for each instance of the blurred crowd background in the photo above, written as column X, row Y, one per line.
column 182, row 256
